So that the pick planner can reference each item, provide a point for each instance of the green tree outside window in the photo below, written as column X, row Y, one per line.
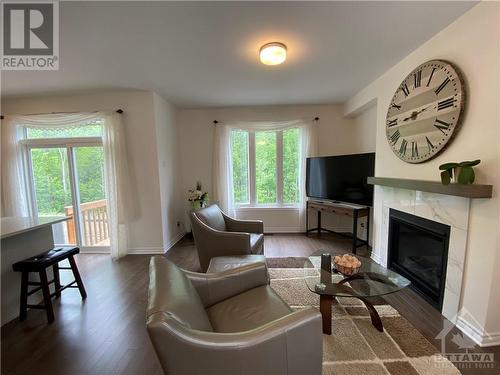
column 265, row 163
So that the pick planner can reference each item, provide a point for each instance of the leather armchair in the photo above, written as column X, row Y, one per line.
column 216, row 234
column 230, row 322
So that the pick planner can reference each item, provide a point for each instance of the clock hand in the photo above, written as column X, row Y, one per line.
column 414, row 114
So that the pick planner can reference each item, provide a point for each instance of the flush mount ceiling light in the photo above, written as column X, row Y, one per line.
column 273, row 53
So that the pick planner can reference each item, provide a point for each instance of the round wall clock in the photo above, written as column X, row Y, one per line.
column 425, row 112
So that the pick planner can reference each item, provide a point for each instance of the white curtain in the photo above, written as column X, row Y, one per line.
column 14, row 198
column 117, row 181
column 118, row 191
column 223, row 169
column 223, row 182
column 308, row 148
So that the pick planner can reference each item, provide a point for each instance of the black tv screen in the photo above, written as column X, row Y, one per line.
column 341, row 178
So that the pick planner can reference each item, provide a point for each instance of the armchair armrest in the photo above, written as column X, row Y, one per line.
column 248, row 226
column 291, row 345
column 215, row 287
column 213, row 243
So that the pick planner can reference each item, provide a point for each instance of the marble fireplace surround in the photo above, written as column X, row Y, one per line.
column 445, row 209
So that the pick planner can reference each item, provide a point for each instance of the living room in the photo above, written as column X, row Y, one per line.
column 155, row 112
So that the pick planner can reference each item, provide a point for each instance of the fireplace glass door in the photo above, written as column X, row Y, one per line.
column 418, row 249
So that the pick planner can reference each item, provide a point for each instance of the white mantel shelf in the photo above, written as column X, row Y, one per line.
column 459, row 190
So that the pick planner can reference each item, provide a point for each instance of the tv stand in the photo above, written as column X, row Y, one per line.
column 346, row 209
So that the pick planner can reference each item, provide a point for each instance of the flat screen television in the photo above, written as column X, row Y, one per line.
column 341, row 178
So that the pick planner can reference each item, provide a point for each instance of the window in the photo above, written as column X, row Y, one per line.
column 266, row 167
column 291, row 160
column 66, row 177
column 91, row 130
column 239, row 143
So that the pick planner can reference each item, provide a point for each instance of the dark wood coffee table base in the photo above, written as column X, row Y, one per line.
column 371, row 280
column 325, row 307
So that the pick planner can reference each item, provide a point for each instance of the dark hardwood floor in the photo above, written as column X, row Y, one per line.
column 275, row 246
column 106, row 333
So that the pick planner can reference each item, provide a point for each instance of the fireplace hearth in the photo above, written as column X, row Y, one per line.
column 418, row 249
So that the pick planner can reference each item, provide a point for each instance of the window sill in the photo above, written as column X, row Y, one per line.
column 266, row 208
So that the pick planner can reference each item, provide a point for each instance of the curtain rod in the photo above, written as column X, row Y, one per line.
column 119, row 110
column 216, row 122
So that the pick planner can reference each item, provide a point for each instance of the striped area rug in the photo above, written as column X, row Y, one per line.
column 355, row 346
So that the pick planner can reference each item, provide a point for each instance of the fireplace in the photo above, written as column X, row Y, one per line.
column 418, row 250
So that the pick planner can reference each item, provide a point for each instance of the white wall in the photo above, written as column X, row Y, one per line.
column 473, row 43
column 145, row 231
column 168, row 171
column 336, row 135
column 365, row 130
column 355, row 136
column 340, row 135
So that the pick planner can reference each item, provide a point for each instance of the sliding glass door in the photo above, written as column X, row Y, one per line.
column 89, row 168
column 52, row 189
column 67, row 178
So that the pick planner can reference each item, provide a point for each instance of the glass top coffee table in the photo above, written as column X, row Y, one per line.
column 370, row 280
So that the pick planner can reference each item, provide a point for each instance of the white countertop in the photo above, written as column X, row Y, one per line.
column 12, row 226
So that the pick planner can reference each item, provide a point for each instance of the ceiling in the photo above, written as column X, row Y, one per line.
column 202, row 54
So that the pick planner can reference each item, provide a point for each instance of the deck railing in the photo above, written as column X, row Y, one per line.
column 94, row 222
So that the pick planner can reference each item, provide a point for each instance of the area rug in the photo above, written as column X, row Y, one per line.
column 355, row 346
column 286, row 262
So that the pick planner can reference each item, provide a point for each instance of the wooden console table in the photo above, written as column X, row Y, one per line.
column 345, row 209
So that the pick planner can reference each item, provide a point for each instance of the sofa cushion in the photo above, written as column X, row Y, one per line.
column 247, row 310
column 219, row 264
column 256, row 242
column 171, row 293
column 212, row 217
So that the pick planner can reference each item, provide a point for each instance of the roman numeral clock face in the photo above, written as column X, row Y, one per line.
column 425, row 111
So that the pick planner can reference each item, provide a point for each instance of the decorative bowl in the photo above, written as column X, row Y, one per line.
column 347, row 264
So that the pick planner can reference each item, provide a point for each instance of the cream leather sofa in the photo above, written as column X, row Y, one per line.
column 230, row 322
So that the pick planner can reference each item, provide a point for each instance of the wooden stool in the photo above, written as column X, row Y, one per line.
column 39, row 264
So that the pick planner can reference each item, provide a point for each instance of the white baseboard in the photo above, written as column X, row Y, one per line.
column 95, row 250
column 361, row 233
column 179, row 236
column 376, row 258
column 481, row 338
column 302, row 230
column 145, row 250
column 136, row 250
column 339, row 229
column 131, row 251
column 284, row 230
